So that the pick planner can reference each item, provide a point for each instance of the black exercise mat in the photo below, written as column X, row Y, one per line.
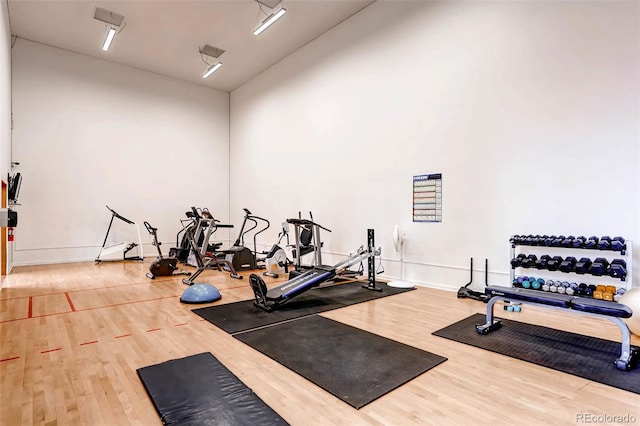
column 199, row 390
column 352, row 364
column 583, row 356
column 242, row 316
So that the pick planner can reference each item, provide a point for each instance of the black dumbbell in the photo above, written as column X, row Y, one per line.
column 618, row 244
column 605, row 243
column 579, row 241
column 515, row 262
column 618, row 268
column 529, row 261
column 582, row 266
column 554, row 263
column 592, row 242
column 549, row 240
column 568, row 242
column 542, row 262
column 599, row 266
column 558, row 241
column 589, row 290
column 579, row 291
column 568, row 264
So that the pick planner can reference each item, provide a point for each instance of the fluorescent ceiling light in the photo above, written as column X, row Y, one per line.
column 269, row 20
column 107, row 41
column 114, row 23
column 212, row 69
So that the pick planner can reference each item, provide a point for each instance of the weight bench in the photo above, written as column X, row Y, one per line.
column 611, row 311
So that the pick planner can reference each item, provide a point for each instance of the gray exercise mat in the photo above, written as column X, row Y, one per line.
column 242, row 316
column 584, row 356
column 352, row 364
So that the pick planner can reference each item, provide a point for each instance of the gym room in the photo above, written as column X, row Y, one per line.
column 319, row 212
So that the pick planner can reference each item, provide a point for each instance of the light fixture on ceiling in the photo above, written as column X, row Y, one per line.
column 270, row 19
column 114, row 24
column 111, row 33
column 213, row 68
column 213, row 52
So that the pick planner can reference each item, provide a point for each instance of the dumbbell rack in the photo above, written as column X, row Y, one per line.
column 626, row 254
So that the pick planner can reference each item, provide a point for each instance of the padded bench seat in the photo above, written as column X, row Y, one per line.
column 583, row 304
column 534, row 296
column 601, row 307
column 611, row 311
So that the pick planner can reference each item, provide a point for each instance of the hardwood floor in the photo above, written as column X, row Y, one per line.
column 73, row 335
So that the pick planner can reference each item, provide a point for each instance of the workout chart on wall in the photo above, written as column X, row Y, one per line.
column 427, row 198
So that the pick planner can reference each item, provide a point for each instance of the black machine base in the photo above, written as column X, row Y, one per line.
column 465, row 293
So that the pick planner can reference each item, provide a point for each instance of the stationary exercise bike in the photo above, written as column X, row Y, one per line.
column 162, row 266
column 277, row 262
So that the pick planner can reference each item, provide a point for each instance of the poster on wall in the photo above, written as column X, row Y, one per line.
column 427, row 198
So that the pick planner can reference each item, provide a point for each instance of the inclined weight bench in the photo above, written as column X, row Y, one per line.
column 611, row 311
column 271, row 299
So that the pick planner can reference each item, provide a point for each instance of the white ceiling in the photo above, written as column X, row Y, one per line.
column 164, row 36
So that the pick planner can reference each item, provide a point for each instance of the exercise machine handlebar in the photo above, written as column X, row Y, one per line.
column 305, row 222
column 154, row 233
column 248, row 216
column 150, row 228
column 115, row 214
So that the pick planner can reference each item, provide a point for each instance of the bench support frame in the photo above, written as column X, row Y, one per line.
column 628, row 356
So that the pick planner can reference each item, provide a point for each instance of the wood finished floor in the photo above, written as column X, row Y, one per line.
column 73, row 335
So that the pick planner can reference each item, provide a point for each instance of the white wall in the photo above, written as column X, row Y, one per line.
column 528, row 109
column 89, row 133
column 5, row 95
column 5, row 89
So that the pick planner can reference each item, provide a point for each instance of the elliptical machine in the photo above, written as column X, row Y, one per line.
column 201, row 224
column 162, row 266
column 206, row 263
column 240, row 256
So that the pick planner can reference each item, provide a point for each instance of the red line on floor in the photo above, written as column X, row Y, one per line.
column 180, row 325
column 51, row 350
column 75, row 291
column 127, row 303
column 124, row 335
column 37, row 316
column 73, row 309
column 153, row 329
column 86, row 309
column 12, row 320
column 30, row 315
column 239, row 286
column 9, row 359
column 88, row 343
